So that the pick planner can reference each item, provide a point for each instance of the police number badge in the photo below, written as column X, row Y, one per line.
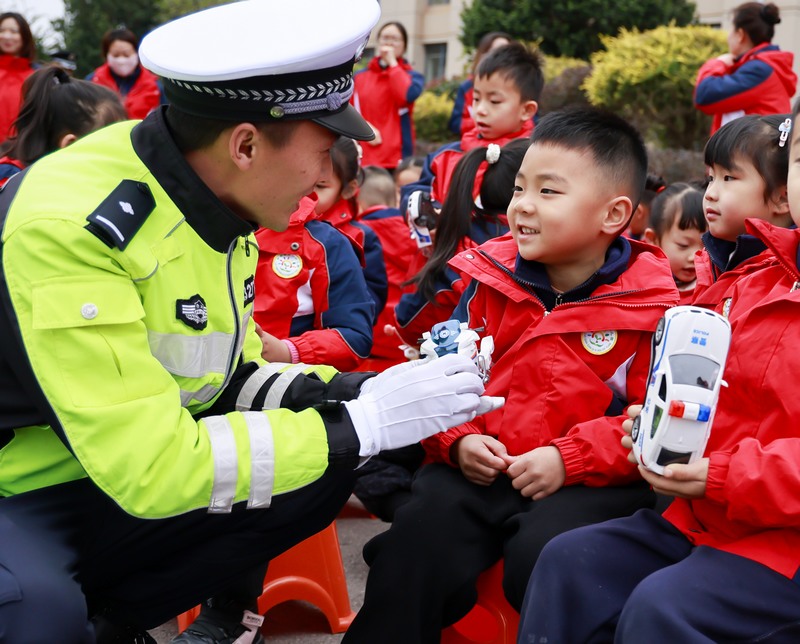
column 599, row 342
column 192, row 312
column 287, row 266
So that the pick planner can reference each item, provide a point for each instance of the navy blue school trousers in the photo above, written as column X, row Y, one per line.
column 69, row 552
column 637, row 579
column 423, row 569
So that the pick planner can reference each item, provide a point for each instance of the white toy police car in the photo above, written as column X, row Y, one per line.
column 453, row 336
column 690, row 347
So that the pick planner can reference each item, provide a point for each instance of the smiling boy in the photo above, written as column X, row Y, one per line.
column 571, row 305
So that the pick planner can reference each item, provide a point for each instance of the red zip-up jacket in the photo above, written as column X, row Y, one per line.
column 714, row 285
column 562, row 370
column 398, row 250
column 13, row 72
column 760, row 81
column 385, row 97
column 143, row 96
column 309, row 289
column 751, row 505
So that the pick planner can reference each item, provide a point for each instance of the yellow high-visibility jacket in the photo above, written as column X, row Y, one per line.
column 129, row 353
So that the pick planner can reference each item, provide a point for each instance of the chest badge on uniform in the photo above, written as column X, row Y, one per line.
column 287, row 266
column 192, row 312
column 726, row 307
column 599, row 342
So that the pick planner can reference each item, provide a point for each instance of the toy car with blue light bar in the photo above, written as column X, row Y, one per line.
column 689, row 351
column 453, row 336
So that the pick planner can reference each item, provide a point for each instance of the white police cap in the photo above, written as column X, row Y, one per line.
column 266, row 60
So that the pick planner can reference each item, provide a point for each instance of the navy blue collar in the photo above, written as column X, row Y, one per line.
column 534, row 275
column 727, row 255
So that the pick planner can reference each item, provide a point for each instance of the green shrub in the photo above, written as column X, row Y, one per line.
column 649, row 78
column 564, row 79
column 554, row 66
column 431, row 113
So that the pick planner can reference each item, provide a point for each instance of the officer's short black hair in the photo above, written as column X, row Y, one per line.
column 193, row 133
column 616, row 146
column 522, row 66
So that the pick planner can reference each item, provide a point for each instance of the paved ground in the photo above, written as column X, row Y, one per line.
column 302, row 623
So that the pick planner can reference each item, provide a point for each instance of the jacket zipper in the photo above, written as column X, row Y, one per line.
column 529, row 288
column 237, row 322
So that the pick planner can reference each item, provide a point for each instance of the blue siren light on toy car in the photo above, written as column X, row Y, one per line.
column 453, row 336
column 689, row 351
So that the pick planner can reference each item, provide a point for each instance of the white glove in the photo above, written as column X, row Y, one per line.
column 406, row 407
column 392, row 372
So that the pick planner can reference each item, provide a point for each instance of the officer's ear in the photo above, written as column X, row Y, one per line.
column 243, row 142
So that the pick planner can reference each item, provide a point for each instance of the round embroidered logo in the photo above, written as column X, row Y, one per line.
column 599, row 342
column 287, row 266
column 726, row 307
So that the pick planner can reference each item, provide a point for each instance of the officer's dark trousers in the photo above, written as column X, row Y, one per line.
column 424, row 568
column 68, row 551
column 638, row 580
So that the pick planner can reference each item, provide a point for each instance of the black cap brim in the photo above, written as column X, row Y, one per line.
column 348, row 122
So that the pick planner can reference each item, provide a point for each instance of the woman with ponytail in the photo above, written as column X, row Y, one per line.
column 56, row 110
column 473, row 212
column 754, row 77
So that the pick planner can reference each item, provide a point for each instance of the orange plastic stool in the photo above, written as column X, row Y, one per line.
column 492, row 620
column 311, row 571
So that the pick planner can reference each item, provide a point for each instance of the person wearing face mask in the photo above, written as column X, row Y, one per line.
column 17, row 52
column 122, row 72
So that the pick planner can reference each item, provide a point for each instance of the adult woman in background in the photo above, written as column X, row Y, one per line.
column 122, row 72
column 17, row 53
column 384, row 94
column 754, row 77
column 56, row 111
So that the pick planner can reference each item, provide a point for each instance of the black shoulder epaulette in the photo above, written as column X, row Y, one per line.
column 120, row 216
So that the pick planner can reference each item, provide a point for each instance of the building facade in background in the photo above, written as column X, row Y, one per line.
column 435, row 25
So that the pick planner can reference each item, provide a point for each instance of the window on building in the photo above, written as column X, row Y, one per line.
column 435, row 61
column 430, row 2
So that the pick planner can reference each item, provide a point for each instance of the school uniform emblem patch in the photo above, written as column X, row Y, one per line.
column 287, row 266
column 192, row 312
column 726, row 307
column 599, row 342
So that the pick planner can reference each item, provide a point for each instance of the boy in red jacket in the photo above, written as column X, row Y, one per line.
column 723, row 563
column 508, row 83
column 571, row 305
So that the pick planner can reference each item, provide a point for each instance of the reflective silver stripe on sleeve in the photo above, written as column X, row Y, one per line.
column 191, row 356
column 204, row 394
column 244, row 401
column 262, row 459
column 281, row 384
column 223, row 448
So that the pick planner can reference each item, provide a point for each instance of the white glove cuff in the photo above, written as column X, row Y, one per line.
column 368, row 439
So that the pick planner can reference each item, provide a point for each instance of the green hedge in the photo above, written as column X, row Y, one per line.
column 649, row 78
column 431, row 113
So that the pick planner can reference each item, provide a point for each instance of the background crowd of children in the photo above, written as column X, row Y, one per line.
column 546, row 236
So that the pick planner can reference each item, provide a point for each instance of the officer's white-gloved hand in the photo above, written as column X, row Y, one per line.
column 418, row 402
column 386, row 374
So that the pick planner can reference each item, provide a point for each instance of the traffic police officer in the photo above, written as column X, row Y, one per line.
column 148, row 456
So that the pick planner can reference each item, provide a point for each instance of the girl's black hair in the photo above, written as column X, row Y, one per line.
column 54, row 105
column 28, row 49
column 755, row 139
column 757, row 20
column 653, row 184
column 346, row 162
column 678, row 199
column 459, row 209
